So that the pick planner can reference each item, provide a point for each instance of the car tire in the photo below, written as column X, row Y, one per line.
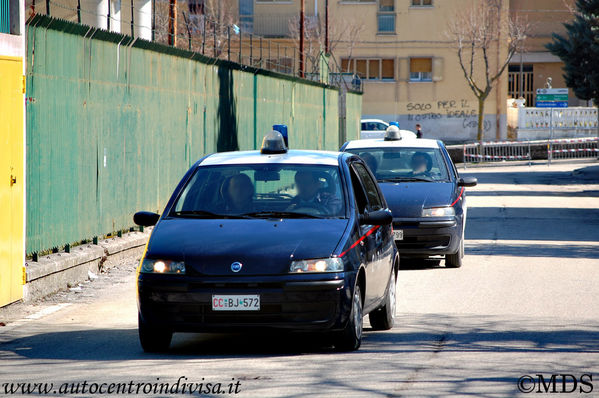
column 455, row 260
column 350, row 338
column 384, row 317
column 153, row 339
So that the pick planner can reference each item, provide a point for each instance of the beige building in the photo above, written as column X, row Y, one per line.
column 408, row 68
column 529, row 71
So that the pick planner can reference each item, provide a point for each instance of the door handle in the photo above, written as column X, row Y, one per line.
column 13, row 180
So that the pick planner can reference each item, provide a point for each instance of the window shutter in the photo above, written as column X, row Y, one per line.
column 421, row 65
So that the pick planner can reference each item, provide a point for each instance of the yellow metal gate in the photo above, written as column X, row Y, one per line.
column 11, row 180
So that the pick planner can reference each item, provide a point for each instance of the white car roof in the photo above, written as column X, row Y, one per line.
column 373, row 120
column 325, row 158
column 404, row 143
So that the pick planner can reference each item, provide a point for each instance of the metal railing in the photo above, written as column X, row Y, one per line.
column 497, row 151
column 579, row 148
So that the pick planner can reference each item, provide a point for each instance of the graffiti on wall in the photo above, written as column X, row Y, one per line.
column 446, row 109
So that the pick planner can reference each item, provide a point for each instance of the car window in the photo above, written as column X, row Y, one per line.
column 427, row 164
column 359, row 193
column 372, row 193
column 245, row 190
column 381, row 126
column 364, row 126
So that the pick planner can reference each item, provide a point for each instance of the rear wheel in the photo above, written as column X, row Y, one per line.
column 455, row 260
column 153, row 339
column 350, row 338
column 384, row 317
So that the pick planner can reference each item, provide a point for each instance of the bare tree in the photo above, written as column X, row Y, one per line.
column 475, row 32
column 340, row 33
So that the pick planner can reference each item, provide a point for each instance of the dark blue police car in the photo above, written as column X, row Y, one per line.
column 424, row 191
column 298, row 240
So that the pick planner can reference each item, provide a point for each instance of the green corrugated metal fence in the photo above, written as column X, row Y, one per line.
column 4, row 16
column 353, row 109
column 113, row 124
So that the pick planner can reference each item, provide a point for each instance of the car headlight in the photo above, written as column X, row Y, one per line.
column 317, row 265
column 438, row 212
column 150, row 266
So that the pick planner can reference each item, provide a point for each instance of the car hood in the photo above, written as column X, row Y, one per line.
column 407, row 199
column 264, row 247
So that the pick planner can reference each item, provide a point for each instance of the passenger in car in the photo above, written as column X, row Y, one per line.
column 310, row 195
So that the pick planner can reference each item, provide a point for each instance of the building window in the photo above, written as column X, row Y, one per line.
column 370, row 68
column 246, row 15
column 422, row 3
column 421, row 69
column 521, row 83
column 386, row 16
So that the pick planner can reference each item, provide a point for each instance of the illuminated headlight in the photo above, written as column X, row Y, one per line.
column 438, row 212
column 162, row 267
column 317, row 265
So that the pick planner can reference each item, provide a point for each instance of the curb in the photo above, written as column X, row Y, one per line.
column 60, row 271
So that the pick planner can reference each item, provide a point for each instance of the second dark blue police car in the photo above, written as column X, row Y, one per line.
column 424, row 191
column 276, row 238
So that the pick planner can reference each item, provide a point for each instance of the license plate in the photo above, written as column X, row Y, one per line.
column 398, row 234
column 231, row 302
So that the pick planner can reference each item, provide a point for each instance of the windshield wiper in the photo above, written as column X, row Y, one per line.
column 281, row 214
column 205, row 214
column 408, row 179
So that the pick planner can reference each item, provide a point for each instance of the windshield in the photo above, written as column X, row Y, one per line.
column 262, row 190
column 404, row 164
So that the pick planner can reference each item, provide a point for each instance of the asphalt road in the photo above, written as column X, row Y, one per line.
column 525, row 302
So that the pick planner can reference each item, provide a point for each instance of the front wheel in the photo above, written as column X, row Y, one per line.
column 350, row 338
column 455, row 260
column 384, row 317
column 153, row 339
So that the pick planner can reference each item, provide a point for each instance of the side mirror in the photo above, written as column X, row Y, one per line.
column 145, row 218
column 379, row 217
column 467, row 181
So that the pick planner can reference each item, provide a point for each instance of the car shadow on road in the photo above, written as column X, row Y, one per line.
column 412, row 334
column 123, row 344
column 414, row 264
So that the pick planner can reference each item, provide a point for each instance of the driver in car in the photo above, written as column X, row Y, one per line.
column 311, row 196
column 421, row 164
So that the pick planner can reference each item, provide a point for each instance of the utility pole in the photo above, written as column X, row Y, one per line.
column 301, row 39
column 172, row 23
column 327, row 49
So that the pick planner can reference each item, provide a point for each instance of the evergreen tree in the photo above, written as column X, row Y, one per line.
column 579, row 50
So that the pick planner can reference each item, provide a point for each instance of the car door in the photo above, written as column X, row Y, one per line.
column 378, row 242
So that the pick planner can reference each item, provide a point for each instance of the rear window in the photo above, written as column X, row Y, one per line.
column 314, row 191
column 404, row 163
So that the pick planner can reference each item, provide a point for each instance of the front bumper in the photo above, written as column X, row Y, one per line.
column 423, row 237
column 296, row 302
